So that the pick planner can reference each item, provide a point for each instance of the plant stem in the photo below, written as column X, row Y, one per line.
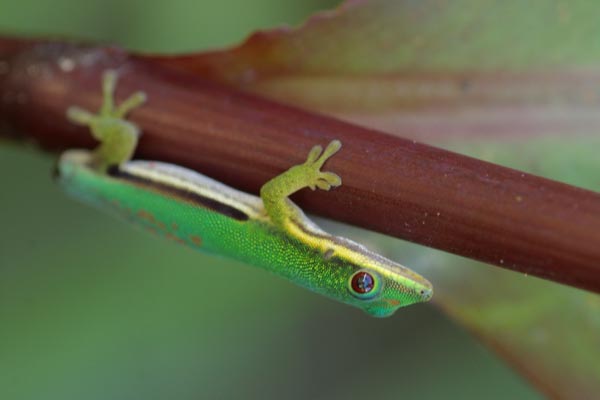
column 395, row 186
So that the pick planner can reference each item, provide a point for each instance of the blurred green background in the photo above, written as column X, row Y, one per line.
column 92, row 308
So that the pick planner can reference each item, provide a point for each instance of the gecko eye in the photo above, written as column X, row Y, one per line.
column 362, row 282
column 363, row 285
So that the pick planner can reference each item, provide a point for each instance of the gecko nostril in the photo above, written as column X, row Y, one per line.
column 426, row 294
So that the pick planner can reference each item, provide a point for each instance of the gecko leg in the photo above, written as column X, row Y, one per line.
column 118, row 137
column 275, row 192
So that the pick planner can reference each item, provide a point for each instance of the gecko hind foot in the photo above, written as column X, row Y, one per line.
column 109, row 82
column 118, row 137
column 107, row 109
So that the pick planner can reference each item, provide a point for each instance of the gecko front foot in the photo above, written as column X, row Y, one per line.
column 312, row 167
column 118, row 137
column 275, row 192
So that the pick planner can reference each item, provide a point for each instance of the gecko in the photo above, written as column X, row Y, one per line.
column 269, row 231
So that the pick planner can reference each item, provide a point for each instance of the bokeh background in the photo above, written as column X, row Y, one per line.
column 92, row 308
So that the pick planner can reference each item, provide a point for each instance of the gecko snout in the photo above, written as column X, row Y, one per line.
column 426, row 294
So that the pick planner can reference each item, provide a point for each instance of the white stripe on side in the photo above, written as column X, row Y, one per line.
column 192, row 181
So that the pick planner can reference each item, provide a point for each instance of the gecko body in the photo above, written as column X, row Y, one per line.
column 269, row 231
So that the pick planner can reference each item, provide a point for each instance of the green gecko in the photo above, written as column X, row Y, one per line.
column 268, row 231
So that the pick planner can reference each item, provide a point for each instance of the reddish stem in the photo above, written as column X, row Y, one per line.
column 391, row 185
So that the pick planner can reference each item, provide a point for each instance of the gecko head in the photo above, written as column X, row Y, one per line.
column 380, row 293
column 377, row 285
